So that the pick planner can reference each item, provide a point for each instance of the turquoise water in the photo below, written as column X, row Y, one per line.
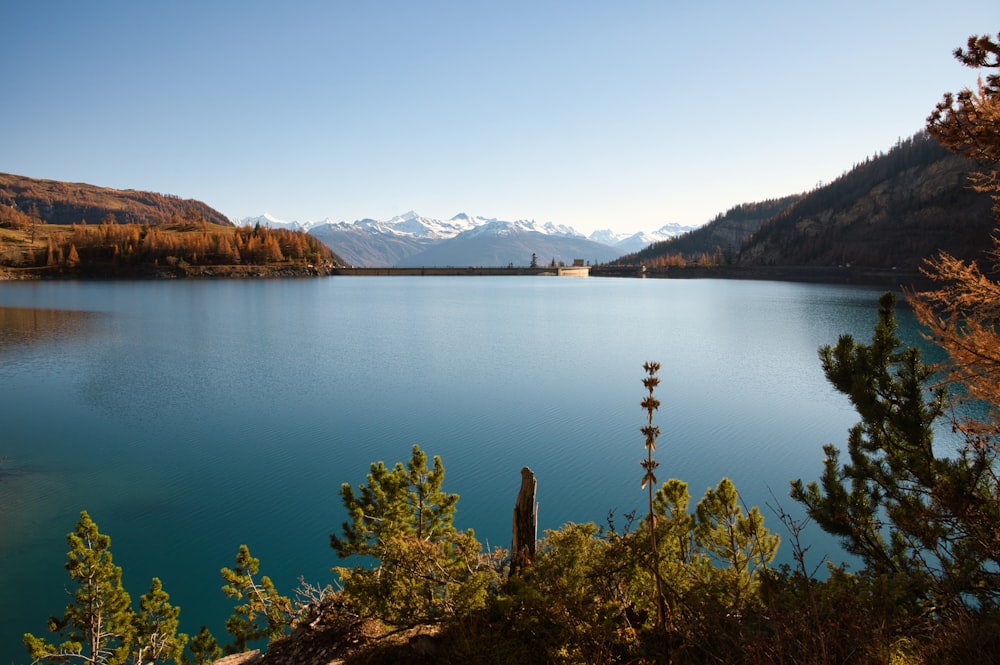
column 191, row 417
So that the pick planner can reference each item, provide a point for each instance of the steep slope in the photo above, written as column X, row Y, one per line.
column 724, row 234
column 892, row 211
column 72, row 203
column 360, row 244
column 889, row 212
column 628, row 243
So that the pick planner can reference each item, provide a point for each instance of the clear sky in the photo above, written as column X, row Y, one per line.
column 624, row 115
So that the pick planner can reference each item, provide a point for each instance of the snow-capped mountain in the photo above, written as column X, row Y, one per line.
column 410, row 239
column 635, row 241
column 499, row 243
column 270, row 221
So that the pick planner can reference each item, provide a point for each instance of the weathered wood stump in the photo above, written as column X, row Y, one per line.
column 525, row 528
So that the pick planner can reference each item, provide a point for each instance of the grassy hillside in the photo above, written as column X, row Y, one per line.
column 74, row 203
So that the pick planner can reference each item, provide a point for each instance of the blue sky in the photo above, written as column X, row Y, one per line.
column 624, row 115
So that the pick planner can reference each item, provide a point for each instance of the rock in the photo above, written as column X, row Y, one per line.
column 245, row 658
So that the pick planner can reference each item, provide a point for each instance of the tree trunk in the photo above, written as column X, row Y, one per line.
column 522, row 550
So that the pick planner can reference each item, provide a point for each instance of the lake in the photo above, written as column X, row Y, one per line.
column 190, row 417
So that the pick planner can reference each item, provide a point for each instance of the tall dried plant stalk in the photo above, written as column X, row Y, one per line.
column 652, row 432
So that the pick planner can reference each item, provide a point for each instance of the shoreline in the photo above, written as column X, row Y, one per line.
column 160, row 272
column 890, row 278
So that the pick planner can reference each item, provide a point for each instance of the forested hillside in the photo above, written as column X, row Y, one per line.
column 892, row 210
column 50, row 228
column 720, row 239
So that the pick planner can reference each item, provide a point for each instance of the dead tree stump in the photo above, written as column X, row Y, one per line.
column 525, row 529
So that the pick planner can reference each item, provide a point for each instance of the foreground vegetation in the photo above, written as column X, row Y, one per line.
column 683, row 583
column 686, row 583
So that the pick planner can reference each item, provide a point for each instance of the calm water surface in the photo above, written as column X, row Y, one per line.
column 191, row 417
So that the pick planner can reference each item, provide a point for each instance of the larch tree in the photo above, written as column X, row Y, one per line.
column 35, row 218
column 225, row 251
column 962, row 312
column 73, row 257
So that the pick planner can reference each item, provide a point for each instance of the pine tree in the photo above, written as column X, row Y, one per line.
column 204, row 649
column 737, row 540
column 426, row 568
column 265, row 615
column 902, row 510
column 395, row 502
column 157, row 639
column 99, row 624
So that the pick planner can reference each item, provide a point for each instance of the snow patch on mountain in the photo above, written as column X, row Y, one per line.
column 268, row 220
column 413, row 226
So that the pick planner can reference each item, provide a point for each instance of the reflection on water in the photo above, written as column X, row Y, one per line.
column 26, row 491
column 25, row 325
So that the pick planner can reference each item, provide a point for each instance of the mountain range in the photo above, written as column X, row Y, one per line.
column 890, row 212
column 466, row 240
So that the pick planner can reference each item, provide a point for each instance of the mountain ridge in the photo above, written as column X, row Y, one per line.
column 891, row 211
column 371, row 242
column 58, row 202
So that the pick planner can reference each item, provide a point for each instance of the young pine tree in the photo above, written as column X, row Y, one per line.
column 204, row 649
column 156, row 636
column 737, row 542
column 98, row 625
column 426, row 569
column 265, row 615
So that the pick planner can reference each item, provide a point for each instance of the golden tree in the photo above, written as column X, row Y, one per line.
column 962, row 311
